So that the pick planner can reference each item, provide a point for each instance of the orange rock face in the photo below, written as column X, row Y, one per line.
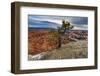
column 41, row 41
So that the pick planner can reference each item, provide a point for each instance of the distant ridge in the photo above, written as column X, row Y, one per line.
column 34, row 28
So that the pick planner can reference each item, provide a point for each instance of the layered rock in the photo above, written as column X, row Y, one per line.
column 41, row 41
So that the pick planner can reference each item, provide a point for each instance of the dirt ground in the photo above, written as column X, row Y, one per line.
column 72, row 50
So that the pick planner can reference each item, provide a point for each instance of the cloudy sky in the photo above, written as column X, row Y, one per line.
column 44, row 21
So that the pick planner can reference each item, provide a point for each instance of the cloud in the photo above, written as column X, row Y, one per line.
column 79, row 28
column 42, row 24
column 56, row 21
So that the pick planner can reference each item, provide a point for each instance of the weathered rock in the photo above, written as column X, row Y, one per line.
column 41, row 41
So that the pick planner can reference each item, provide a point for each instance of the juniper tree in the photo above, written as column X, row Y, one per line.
column 66, row 26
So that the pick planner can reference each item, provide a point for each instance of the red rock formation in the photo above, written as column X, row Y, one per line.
column 40, row 41
column 43, row 40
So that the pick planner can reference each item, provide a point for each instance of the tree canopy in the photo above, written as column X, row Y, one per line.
column 65, row 26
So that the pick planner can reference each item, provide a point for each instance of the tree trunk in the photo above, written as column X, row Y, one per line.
column 59, row 41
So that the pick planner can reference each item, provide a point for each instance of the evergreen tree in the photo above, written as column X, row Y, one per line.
column 66, row 26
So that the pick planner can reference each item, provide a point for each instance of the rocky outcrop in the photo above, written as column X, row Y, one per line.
column 45, row 40
column 74, row 35
column 41, row 41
